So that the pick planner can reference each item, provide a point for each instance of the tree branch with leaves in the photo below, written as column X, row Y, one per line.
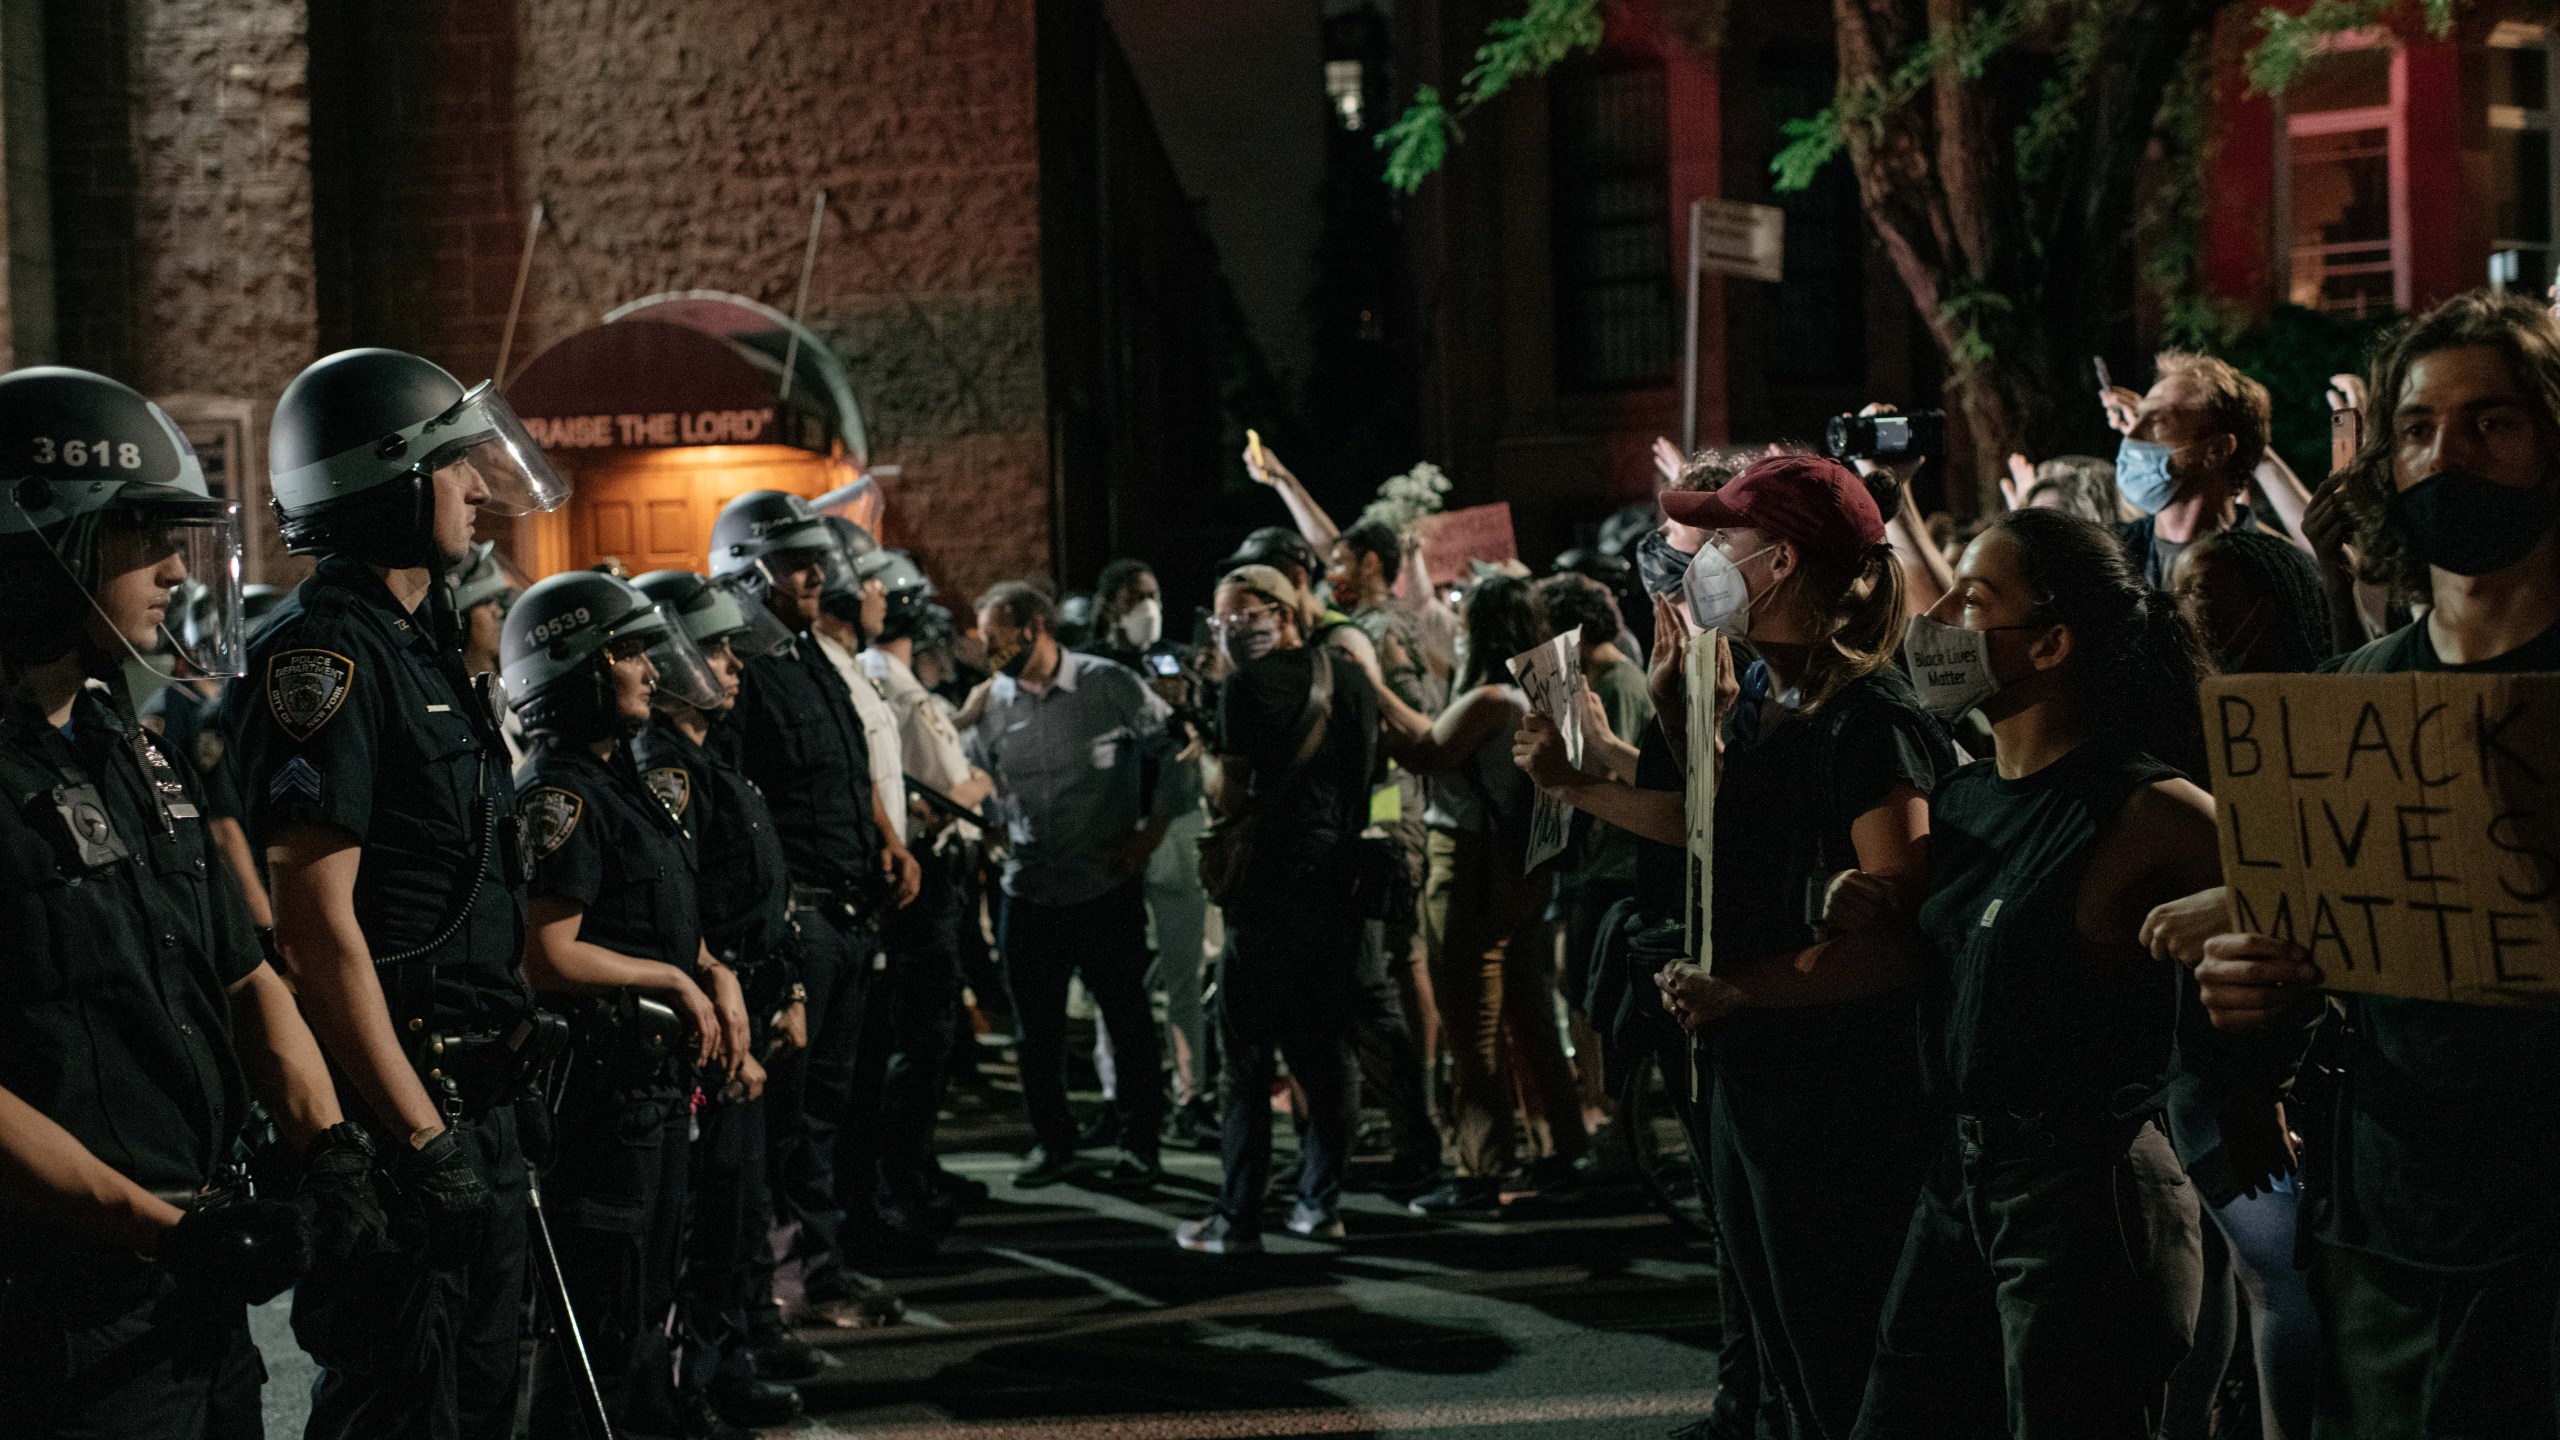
column 2000, row 149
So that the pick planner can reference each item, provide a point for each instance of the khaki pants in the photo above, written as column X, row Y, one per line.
column 1495, row 989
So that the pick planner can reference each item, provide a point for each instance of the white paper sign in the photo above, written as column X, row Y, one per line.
column 1551, row 675
column 1701, row 802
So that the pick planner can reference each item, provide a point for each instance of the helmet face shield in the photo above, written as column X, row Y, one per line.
column 181, row 554
column 684, row 677
column 744, row 622
column 482, row 435
column 799, row 553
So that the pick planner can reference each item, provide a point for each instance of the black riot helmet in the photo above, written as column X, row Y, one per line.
column 96, row 481
column 481, row 578
column 908, row 589
column 711, row 615
column 359, row 438
column 561, row 639
column 761, row 524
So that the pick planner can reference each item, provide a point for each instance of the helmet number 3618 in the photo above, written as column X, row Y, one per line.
column 101, row 453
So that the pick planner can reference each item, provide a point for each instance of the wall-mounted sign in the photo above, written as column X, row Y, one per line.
column 653, row 430
column 643, row 384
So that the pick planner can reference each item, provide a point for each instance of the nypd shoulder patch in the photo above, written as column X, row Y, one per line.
column 306, row 687
column 673, row 785
column 550, row 816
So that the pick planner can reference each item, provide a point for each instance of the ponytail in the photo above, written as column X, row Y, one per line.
column 1861, row 625
column 2136, row 661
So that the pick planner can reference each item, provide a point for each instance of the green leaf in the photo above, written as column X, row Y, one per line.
column 1548, row 34
column 2291, row 40
column 1810, row 145
column 1418, row 143
column 1537, row 42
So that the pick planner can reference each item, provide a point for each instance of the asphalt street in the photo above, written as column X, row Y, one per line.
column 1069, row 1314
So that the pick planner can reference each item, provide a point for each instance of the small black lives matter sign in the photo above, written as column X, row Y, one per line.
column 2404, row 829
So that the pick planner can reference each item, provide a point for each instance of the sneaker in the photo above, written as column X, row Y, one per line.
column 754, row 1404
column 1217, row 1235
column 1316, row 1222
column 1040, row 1169
column 1466, row 1195
column 1134, row 1169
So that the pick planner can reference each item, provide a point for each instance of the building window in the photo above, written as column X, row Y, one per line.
column 2345, row 179
column 1617, row 319
column 2522, row 185
column 1817, row 314
column 1342, row 83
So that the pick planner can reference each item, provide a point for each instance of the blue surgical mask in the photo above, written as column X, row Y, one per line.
column 2142, row 473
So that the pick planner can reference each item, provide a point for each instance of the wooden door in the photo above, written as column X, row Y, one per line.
column 653, row 511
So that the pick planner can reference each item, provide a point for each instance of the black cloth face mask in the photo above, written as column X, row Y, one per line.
column 2471, row 525
column 1661, row 564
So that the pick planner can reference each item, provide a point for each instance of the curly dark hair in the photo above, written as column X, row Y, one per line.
column 1578, row 602
column 2136, row 661
column 1377, row 537
column 2514, row 326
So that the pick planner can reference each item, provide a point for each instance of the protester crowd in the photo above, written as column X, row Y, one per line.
column 618, row 940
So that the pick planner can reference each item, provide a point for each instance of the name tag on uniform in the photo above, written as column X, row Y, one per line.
column 439, row 709
column 1990, row 913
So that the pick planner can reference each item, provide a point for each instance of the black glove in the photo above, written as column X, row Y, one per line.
column 249, row 1251
column 336, row 1195
column 450, row 1189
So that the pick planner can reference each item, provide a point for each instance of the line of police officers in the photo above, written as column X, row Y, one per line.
column 591, row 1020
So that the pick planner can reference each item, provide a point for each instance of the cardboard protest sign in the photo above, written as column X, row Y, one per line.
column 1551, row 675
column 1453, row 537
column 2404, row 829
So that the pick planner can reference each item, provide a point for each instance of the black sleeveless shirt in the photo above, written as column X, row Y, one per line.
column 2016, row 1015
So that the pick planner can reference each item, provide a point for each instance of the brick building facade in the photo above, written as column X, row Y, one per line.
column 223, row 190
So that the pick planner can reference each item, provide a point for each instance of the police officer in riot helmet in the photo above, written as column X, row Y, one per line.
column 614, row 943
column 737, row 1354
column 482, row 591
column 801, row 743
column 140, row 1015
column 376, row 781
column 913, row 1002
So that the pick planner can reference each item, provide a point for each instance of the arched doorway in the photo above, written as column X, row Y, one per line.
column 662, row 414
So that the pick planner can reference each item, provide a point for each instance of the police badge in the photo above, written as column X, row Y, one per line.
column 673, row 785
column 549, row 817
column 306, row 687
column 208, row 748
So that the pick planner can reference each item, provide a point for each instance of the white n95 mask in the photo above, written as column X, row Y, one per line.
column 1717, row 595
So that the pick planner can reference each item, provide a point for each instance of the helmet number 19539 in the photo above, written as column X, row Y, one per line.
column 101, row 453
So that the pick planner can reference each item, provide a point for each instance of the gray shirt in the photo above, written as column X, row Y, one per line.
column 1073, row 761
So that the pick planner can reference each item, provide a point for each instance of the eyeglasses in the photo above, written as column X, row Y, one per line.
column 1242, row 618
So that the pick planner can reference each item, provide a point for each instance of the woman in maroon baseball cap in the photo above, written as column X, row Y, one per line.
column 1817, row 1139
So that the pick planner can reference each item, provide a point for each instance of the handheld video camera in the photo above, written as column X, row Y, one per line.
column 1888, row 439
